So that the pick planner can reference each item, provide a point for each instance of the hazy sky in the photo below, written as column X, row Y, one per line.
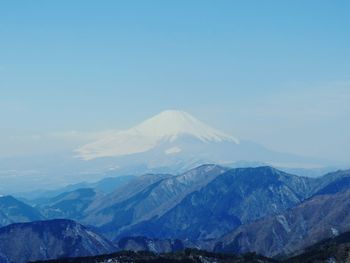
column 275, row 72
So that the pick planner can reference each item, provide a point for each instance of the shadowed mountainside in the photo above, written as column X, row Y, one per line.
column 235, row 197
column 318, row 218
column 51, row 239
column 15, row 211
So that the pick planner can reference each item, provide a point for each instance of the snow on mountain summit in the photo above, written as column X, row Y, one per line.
column 168, row 126
column 172, row 123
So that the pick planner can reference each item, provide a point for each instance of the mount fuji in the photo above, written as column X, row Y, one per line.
column 167, row 128
column 170, row 142
column 175, row 141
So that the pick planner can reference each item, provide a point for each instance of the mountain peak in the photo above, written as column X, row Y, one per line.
column 168, row 125
column 176, row 116
column 172, row 123
column 168, row 122
column 171, row 113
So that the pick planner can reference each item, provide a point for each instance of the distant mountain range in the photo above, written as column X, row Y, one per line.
column 230, row 199
column 68, row 205
column 203, row 203
column 241, row 210
column 103, row 186
column 14, row 211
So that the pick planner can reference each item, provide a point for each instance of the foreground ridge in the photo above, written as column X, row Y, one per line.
column 188, row 256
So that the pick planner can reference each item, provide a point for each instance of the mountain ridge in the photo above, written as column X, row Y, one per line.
column 315, row 219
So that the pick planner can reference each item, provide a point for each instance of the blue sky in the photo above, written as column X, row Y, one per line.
column 276, row 72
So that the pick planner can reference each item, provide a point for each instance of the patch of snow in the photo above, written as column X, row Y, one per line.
column 335, row 231
column 283, row 221
column 151, row 246
column 173, row 150
column 331, row 260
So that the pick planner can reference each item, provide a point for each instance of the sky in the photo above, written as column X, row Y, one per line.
column 274, row 72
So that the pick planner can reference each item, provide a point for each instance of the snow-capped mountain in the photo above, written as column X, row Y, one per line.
column 174, row 141
column 170, row 142
column 166, row 127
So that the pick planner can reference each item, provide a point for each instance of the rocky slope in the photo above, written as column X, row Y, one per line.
column 335, row 249
column 145, row 198
column 41, row 240
column 235, row 197
column 318, row 218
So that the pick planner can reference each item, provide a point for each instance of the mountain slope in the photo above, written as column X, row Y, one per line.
column 335, row 249
column 315, row 219
column 40, row 240
column 15, row 211
column 70, row 205
column 233, row 198
column 120, row 209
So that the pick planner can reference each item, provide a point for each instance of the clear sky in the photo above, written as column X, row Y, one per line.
column 275, row 72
